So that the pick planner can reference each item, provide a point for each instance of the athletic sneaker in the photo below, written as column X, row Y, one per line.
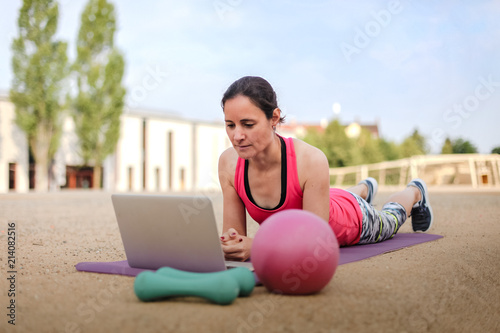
column 372, row 185
column 421, row 213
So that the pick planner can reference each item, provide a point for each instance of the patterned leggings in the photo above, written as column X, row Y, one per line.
column 378, row 226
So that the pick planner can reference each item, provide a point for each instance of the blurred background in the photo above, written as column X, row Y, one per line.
column 125, row 96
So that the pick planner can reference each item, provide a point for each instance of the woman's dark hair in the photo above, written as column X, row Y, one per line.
column 258, row 90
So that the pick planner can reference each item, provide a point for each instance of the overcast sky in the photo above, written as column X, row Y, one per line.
column 431, row 65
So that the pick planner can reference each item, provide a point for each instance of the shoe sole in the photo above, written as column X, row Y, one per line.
column 426, row 199
column 374, row 185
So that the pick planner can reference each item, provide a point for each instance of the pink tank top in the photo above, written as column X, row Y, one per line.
column 291, row 193
column 345, row 214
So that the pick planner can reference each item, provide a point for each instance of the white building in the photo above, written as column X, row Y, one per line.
column 165, row 153
column 14, row 157
column 155, row 152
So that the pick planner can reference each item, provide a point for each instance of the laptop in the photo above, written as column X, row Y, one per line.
column 170, row 230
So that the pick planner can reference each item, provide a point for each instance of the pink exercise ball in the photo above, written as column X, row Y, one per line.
column 295, row 252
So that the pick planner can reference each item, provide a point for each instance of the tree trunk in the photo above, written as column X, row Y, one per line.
column 97, row 177
column 40, row 147
column 41, row 177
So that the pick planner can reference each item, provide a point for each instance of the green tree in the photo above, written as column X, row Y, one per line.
column 39, row 64
column 389, row 149
column 447, row 147
column 341, row 150
column 461, row 146
column 496, row 150
column 314, row 138
column 332, row 142
column 369, row 148
column 99, row 71
column 337, row 147
column 415, row 144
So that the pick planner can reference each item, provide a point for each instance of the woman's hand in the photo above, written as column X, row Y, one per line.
column 235, row 246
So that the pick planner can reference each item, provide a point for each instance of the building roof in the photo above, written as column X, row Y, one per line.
column 166, row 115
column 300, row 129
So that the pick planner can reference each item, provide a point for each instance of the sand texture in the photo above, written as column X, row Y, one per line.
column 448, row 285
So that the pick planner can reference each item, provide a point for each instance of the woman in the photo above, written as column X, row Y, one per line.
column 264, row 173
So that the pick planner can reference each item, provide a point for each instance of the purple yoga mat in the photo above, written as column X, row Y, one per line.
column 400, row 241
column 347, row 254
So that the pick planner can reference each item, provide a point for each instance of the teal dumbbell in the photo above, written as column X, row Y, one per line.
column 149, row 286
column 243, row 276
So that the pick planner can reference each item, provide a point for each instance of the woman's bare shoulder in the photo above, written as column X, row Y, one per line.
column 227, row 164
column 228, row 156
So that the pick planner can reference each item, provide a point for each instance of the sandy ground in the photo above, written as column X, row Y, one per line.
column 449, row 285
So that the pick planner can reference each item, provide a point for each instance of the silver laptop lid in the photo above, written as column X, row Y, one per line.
column 164, row 230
